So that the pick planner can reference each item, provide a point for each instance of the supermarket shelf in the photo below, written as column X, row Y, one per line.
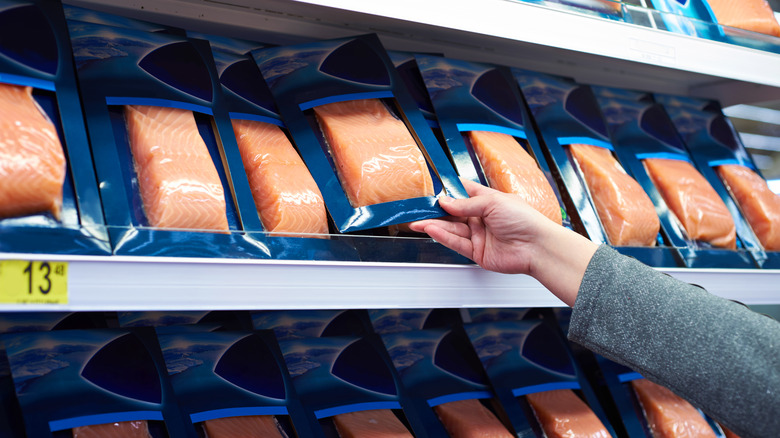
column 590, row 49
column 145, row 283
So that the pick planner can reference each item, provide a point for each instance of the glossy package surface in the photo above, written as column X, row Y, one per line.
column 124, row 429
column 626, row 212
column 510, row 169
column 562, row 414
column 376, row 423
column 470, row 419
column 693, row 201
column 755, row 15
column 669, row 415
column 759, row 205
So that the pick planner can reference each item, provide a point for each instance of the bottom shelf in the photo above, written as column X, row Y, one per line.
column 146, row 283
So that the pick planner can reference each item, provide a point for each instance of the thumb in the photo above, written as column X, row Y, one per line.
column 469, row 207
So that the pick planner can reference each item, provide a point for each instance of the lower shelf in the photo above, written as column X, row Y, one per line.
column 145, row 283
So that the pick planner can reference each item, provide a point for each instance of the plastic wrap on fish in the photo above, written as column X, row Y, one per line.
column 694, row 202
column 562, row 414
column 250, row 426
column 123, row 429
column 669, row 415
column 179, row 184
column 376, row 156
column 286, row 196
column 377, row 423
column 510, row 169
column 32, row 161
column 470, row 419
column 626, row 212
column 755, row 15
column 759, row 205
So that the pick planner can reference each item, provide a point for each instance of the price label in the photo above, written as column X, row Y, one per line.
column 33, row 282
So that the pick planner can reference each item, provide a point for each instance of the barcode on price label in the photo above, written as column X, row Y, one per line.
column 33, row 282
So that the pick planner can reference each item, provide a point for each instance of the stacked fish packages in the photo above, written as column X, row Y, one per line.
column 718, row 151
column 48, row 192
column 487, row 131
column 159, row 142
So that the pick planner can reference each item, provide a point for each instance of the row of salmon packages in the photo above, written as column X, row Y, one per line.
column 415, row 372
column 49, row 199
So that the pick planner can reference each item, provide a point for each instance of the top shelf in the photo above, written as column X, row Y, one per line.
column 590, row 49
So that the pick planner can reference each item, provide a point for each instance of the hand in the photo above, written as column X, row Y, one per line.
column 501, row 233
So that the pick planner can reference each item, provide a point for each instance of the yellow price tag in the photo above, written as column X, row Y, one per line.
column 33, row 282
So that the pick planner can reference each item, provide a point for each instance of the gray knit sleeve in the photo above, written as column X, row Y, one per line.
column 717, row 354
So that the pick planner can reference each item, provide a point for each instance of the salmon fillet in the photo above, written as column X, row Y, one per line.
column 562, row 415
column 376, row 156
column 286, row 196
column 179, row 184
column 755, row 15
column 470, row 419
column 510, row 169
column 626, row 212
column 124, row 429
column 252, row 426
column 760, row 206
column 692, row 199
column 377, row 423
column 32, row 162
column 668, row 415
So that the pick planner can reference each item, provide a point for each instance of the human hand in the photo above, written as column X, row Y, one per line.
column 501, row 233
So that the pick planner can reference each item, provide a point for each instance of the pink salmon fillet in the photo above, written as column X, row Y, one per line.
column 668, row 415
column 755, row 15
column 251, row 426
column 562, row 415
column 759, row 205
column 376, row 157
column 32, row 161
column 470, row 419
column 626, row 212
column 377, row 423
column 178, row 181
column 286, row 196
column 510, row 169
column 124, row 429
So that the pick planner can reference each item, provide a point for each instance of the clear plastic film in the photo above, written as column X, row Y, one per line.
column 626, row 212
column 562, row 414
column 250, row 426
column 759, row 205
column 32, row 161
column 124, row 429
column 375, row 422
column 669, row 415
column 510, row 169
column 286, row 196
column 469, row 418
column 376, row 157
column 178, row 182
column 693, row 201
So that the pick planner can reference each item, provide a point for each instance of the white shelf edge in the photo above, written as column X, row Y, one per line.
column 118, row 283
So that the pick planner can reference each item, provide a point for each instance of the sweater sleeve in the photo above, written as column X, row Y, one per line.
column 715, row 353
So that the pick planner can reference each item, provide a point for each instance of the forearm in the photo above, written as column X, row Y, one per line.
column 717, row 354
column 559, row 261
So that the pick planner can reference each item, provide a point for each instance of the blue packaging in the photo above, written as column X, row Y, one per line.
column 610, row 9
column 643, row 130
column 471, row 96
column 231, row 374
column 343, row 374
column 35, row 52
column 712, row 141
column 306, row 76
column 437, row 366
column 386, row 321
column 406, row 65
column 300, row 324
column 116, row 375
column 568, row 113
column 688, row 17
column 215, row 320
column 243, row 95
column 76, row 13
column 120, row 66
column 524, row 357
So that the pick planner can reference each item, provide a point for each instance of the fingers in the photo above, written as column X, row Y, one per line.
column 475, row 188
column 454, row 241
column 472, row 207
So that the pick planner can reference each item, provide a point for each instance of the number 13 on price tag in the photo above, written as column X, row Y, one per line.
column 33, row 282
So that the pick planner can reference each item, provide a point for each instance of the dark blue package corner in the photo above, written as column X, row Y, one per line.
column 357, row 70
column 344, row 374
column 386, row 321
column 232, row 374
column 529, row 356
column 117, row 375
column 77, row 13
column 36, row 56
column 167, row 74
column 299, row 324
